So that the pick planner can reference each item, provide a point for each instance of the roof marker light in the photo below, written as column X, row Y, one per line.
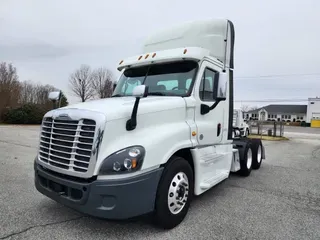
column 185, row 51
column 146, row 56
column 121, row 62
column 140, row 57
column 154, row 55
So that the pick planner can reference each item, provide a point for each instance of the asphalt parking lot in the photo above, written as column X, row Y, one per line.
column 279, row 201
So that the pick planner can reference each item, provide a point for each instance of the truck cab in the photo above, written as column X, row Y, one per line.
column 164, row 136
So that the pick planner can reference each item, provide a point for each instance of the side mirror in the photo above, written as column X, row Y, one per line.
column 219, row 92
column 54, row 96
column 220, row 88
column 140, row 91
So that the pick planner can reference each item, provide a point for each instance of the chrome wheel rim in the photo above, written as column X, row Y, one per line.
column 249, row 158
column 178, row 193
column 259, row 154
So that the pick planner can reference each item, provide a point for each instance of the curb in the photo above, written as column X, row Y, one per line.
column 269, row 138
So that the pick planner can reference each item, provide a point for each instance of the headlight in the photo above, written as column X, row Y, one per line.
column 124, row 161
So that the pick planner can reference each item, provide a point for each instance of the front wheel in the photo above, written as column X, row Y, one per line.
column 174, row 193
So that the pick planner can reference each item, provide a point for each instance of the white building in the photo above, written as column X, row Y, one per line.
column 287, row 113
column 313, row 112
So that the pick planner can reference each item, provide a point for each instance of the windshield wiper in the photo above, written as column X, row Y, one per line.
column 117, row 95
column 156, row 94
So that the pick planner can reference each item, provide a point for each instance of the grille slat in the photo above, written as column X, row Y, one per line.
column 77, row 149
column 67, row 144
column 45, row 149
column 67, row 141
column 78, row 161
column 59, row 160
column 71, row 129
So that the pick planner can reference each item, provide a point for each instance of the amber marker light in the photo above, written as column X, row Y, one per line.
column 194, row 133
column 134, row 163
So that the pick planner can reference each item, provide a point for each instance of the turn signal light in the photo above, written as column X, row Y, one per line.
column 134, row 163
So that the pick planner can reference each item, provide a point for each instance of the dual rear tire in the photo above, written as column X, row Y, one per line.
column 250, row 156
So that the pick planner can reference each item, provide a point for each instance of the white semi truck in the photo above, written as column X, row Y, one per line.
column 239, row 123
column 164, row 136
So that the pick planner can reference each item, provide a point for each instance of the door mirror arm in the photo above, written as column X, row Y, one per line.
column 206, row 109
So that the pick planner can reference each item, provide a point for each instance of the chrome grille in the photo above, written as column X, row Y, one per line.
column 67, row 144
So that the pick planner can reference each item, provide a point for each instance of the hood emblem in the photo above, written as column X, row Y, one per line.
column 63, row 116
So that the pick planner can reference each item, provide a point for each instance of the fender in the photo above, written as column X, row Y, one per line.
column 160, row 141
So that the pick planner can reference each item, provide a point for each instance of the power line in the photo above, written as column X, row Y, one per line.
column 274, row 100
column 281, row 75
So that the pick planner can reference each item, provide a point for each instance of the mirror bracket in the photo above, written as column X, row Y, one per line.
column 140, row 92
column 204, row 109
column 132, row 122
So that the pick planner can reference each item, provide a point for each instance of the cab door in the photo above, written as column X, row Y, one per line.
column 209, row 125
column 212, row 155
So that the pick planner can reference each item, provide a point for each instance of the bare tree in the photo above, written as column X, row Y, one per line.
column 9, row 86
column 245, row 108
column 35, row 93
column 253, row 108
column 81, row 83
column 27, row 92
column 102, row 82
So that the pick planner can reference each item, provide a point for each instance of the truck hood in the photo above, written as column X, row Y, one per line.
column 121, row 107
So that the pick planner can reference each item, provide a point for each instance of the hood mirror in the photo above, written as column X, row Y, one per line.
column 55, row 97
column 140, row 91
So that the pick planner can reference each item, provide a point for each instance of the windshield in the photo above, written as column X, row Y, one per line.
column 169, row 79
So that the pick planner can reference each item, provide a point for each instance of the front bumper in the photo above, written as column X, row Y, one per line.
column 111, row 199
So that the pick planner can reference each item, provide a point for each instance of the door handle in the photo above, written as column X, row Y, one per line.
column 218, row 129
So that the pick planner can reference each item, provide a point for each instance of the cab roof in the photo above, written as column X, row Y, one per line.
column 215, row 35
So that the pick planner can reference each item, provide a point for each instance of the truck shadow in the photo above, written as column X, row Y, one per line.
column 135, row 227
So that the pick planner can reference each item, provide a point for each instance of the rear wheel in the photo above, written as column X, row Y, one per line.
column 174, row 193
column 257, row 155
column 245, row 159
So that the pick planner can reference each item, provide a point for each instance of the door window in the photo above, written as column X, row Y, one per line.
column 206, row 85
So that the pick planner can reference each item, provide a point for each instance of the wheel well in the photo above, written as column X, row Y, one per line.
column 186, row 154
